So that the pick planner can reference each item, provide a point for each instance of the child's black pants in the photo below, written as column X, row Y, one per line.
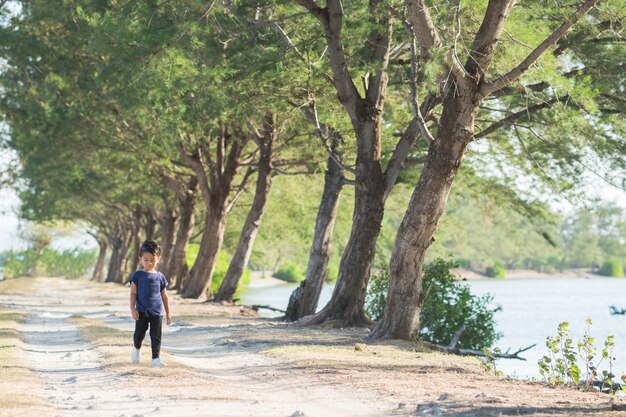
column 141, row 326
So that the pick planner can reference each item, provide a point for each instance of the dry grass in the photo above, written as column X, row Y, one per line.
column 16, row 377
column 176, row 381
column 378, row 357
column 23, row 284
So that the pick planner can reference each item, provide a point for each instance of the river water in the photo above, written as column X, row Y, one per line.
column 531, row 311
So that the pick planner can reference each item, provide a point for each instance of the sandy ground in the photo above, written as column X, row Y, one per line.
column 528, row 274
column 223, row 361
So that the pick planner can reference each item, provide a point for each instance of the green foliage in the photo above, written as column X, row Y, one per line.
column 612, row 268
column 448, row 308
column 496, row 270
column 191, row 254
column 490, row 363
column 15, row 266
column 332, row 273
column 70, row 263
column 289, row 272
column 221, row 267
column 451, row 306
column 376, row 295
column 561, row 366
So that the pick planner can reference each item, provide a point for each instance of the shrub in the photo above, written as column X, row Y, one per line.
column 289, row 273
column 14, row 267
column 71, row 263
column 448, row 307
column 497, row 270
column 612, row 268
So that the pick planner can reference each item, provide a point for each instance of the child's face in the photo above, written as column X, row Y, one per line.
column 149, row 261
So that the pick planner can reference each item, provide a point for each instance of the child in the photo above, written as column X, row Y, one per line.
column 148, row 297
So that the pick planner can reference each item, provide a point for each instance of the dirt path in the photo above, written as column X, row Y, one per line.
column 77, row 338
column 74, row 371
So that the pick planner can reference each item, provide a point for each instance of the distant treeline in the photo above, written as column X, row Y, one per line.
column 482, row 233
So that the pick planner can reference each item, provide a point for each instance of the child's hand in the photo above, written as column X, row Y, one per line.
column 135, row 314
column 168, row 320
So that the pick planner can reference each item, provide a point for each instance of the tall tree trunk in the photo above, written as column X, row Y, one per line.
column 304, row 299
column 415, row 235
column 167, row 235
column 215, row 178
column 150, row 225
column 201, row 273
column 240, row 259
column 120, row 247
column 178, row 259
column 132, row 262
column 98, row 270
column 346, row 306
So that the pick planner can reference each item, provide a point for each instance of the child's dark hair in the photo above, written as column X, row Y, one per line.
column 150, row 246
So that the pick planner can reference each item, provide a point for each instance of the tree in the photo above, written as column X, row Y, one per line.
column 265, row 143
column 373, row 182
column 471, row 85
column 304, row 299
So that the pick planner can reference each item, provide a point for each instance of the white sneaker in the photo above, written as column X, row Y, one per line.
column 157, row 362
column 135, row 356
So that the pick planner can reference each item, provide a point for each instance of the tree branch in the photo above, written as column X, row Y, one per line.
column 195, row 163
column 414, row 99
column 311, row 114
column 472, row 352
column 240, row 189
column 331, row 18
column 515, row 73
column 273, row 25
column 486, row 40
column 507, row 121
column 405, row 144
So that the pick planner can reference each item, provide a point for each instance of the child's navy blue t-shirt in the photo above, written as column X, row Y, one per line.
column 149, row 287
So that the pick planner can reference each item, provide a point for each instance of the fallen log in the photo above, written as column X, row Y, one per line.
column 257, row 307
column 498, row 355
column 451, row 348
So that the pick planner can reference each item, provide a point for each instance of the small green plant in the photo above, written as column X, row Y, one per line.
column 612, row 268
column 561, row 365
column 490, row 360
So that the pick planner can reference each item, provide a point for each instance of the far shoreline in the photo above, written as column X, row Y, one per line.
column 467, row 274
column 265, row 278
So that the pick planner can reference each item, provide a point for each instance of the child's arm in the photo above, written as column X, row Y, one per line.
column 133, row 300
column 166, row 305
